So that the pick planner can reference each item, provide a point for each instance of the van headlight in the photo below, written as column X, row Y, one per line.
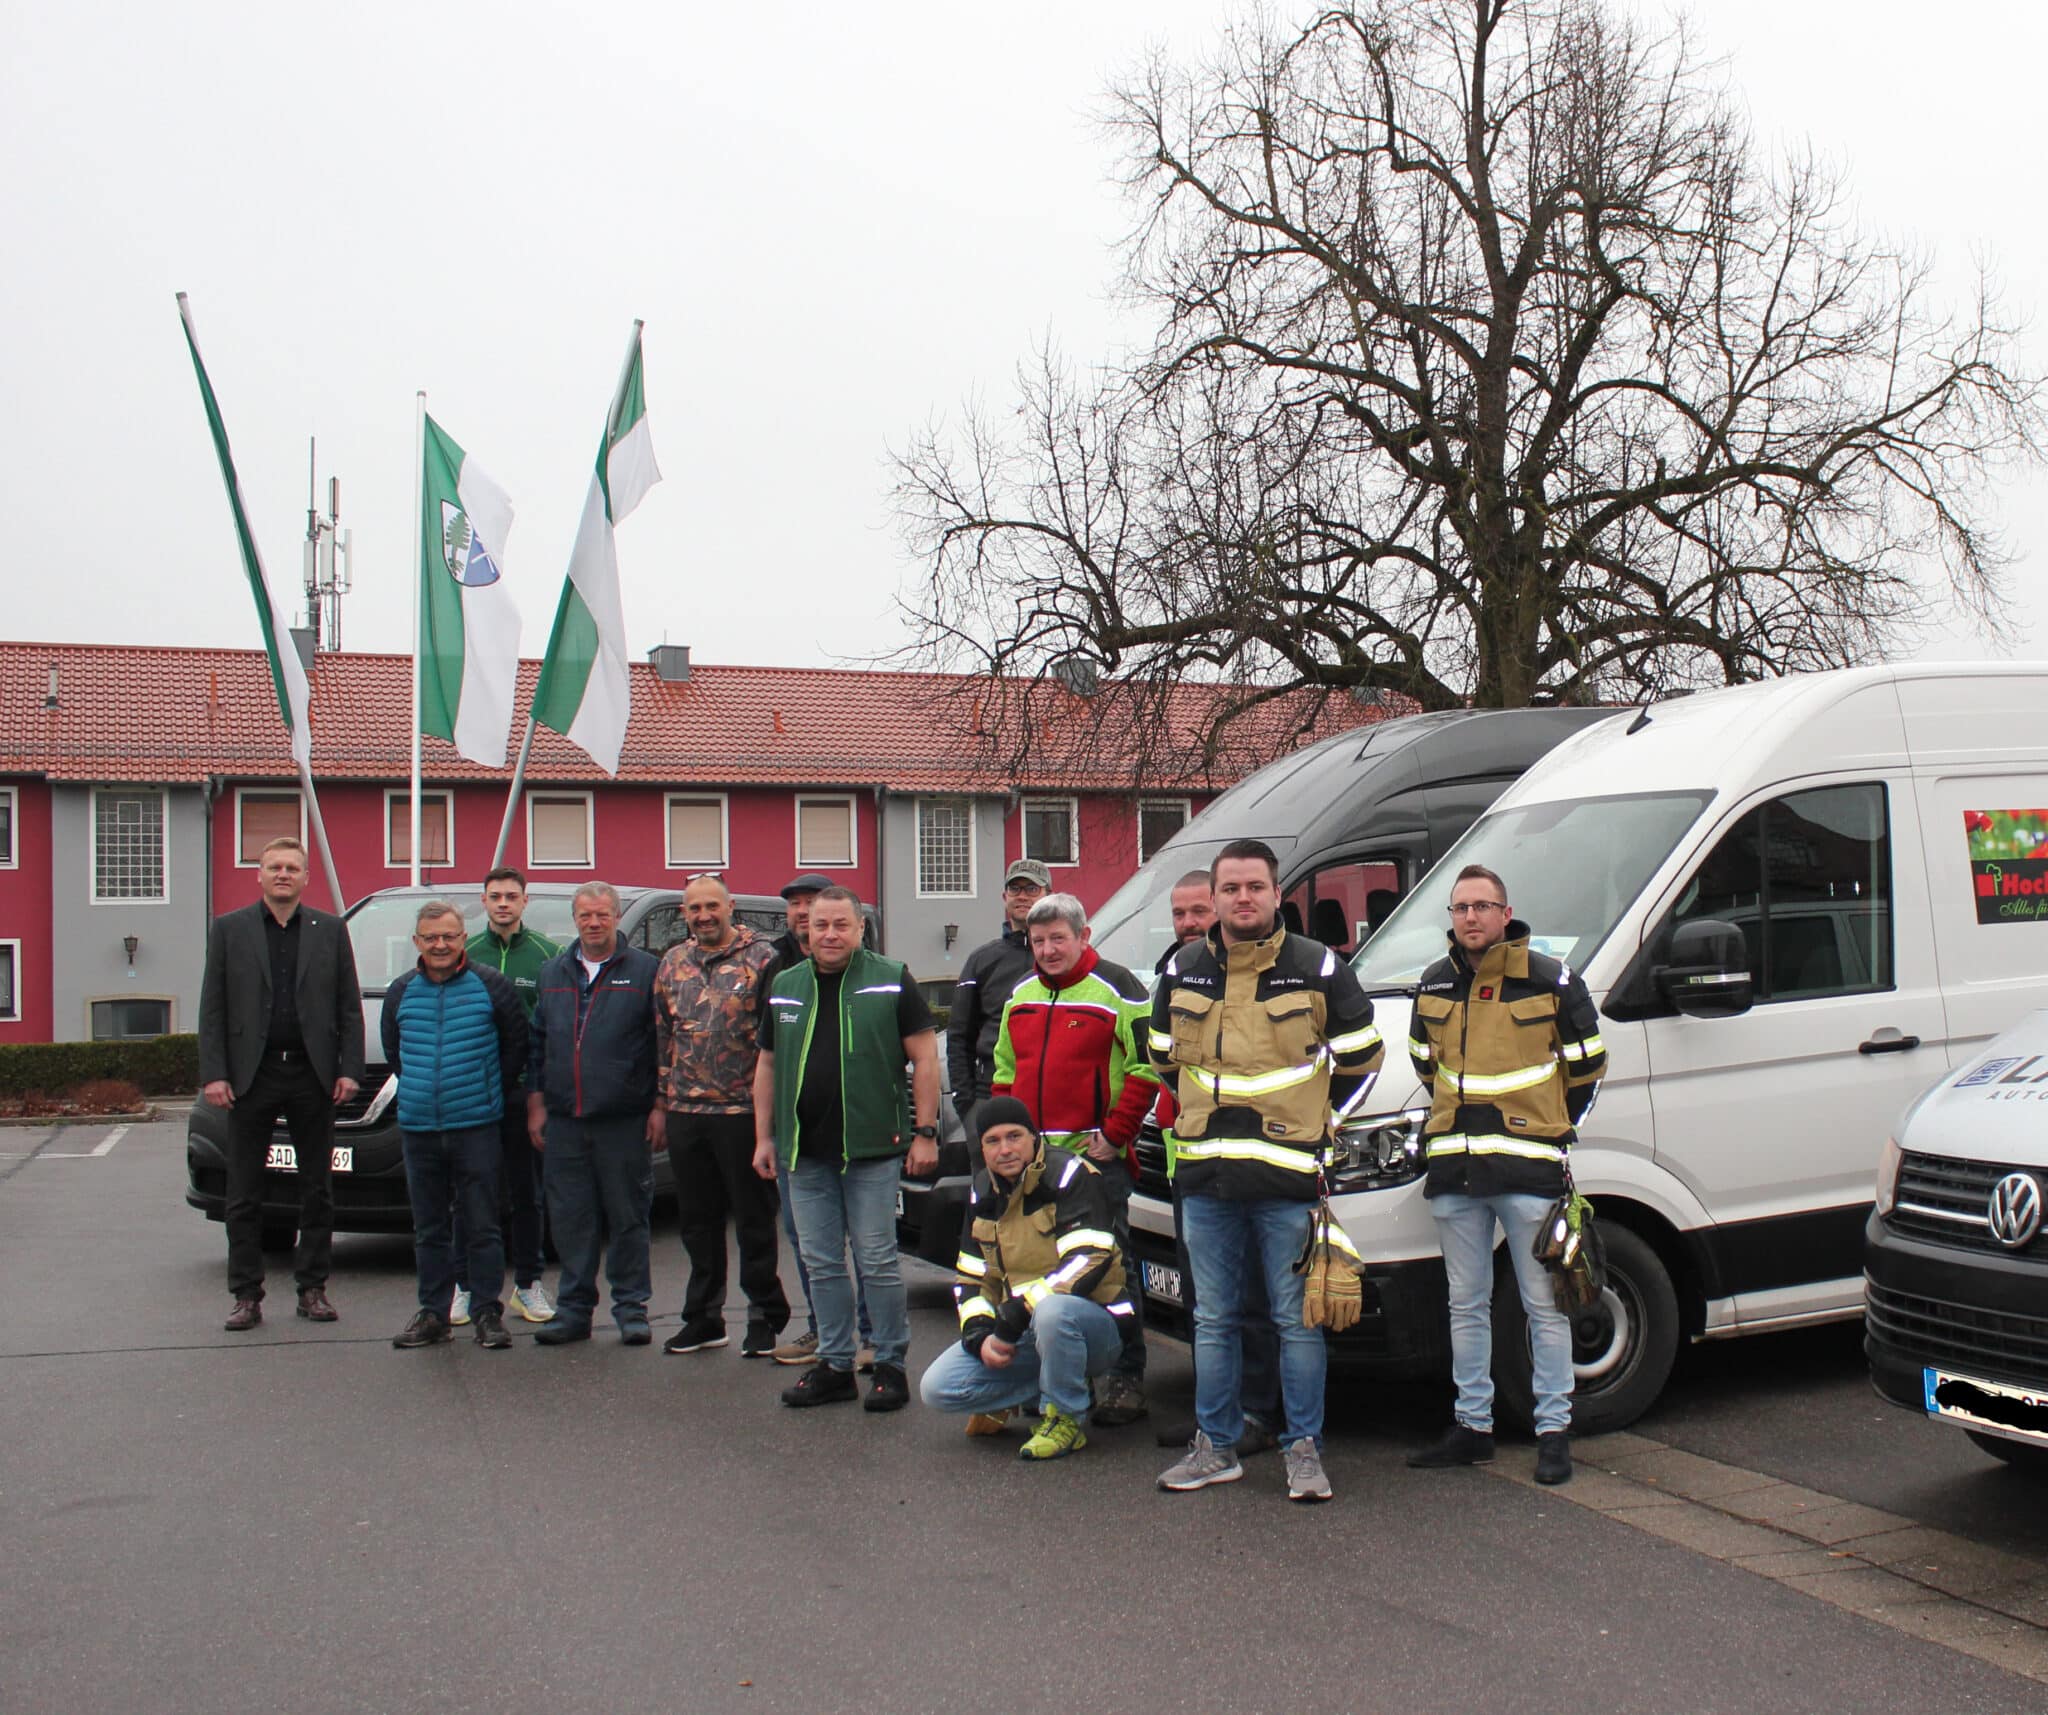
column 1377, row 1153
column 1888, row 1165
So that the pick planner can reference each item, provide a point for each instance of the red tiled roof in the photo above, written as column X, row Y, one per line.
column 181, row 715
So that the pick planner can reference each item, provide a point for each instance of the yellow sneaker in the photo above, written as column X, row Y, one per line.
column 1056, row 1436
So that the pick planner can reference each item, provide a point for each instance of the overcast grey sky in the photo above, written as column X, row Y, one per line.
column 837, row 222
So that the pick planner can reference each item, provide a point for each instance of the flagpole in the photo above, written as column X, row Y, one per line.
column 419, row 536
column 318, row 823
column 512, row 797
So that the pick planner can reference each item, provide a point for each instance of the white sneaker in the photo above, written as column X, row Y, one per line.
column 458, row 1312
column 532, row 1302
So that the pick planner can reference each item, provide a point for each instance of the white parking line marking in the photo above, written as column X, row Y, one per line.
column 113, row 1137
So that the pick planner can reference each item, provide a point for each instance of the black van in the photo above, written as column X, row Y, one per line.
column 1355, row 820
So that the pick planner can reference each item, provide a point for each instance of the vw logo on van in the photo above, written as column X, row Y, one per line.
column 2015, row 1211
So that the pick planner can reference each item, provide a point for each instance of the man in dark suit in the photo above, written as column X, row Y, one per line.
column 280, row 1032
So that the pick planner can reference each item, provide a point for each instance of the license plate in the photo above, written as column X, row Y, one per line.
column 2018, row 1412
column 899, row 1202
column 1162, row 1282
column 285, row 1159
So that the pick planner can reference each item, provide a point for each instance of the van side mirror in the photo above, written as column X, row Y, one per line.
column 1706, row 974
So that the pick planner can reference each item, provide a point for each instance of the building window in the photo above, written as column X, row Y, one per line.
column 696, row 832
column 125, row 1019
column 1159, row 819
column 824, row 833
column 128, row 846
column 945, row 848
column 437, row 837
column 10, row 982
column 558, row 831
column 8, row 799
column 1052, row 830
column 261, row 817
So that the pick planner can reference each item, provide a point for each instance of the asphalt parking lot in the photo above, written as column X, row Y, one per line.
column 304, row 1518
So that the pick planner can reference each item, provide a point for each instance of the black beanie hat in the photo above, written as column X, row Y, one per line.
column 1001, row 1110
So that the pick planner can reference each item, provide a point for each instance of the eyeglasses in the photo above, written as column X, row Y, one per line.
column 1473, row 908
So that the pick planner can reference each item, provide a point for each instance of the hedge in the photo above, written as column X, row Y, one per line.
column 162, row 1065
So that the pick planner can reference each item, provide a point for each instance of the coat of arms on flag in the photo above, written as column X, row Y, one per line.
column 463, row 553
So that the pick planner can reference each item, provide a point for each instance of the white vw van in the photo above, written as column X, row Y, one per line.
column 1797, row 904
column 1955, row 1259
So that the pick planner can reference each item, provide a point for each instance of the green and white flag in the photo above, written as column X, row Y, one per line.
column 287, row 672
column 583, row 692
column 469, row 625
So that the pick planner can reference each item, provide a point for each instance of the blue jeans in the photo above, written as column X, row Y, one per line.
column 599, row 1178
column 803, row 1275
column 1225, row 1240
column 1464, row 1227
column 1070, row 1341
column 518, row 1199
column 835, row 1204
column 1258, row 1345
column 444, row 1171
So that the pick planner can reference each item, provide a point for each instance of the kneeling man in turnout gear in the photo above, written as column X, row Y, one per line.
column 1041, row 1291
column 1507, row 1042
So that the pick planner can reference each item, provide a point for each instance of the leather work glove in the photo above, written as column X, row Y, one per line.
column 1331, row 1297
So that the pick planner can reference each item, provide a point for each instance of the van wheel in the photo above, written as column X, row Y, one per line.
column 2018, row 1454
column 1622, row 1349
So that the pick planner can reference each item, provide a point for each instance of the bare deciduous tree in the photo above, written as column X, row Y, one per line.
column 1492, row 366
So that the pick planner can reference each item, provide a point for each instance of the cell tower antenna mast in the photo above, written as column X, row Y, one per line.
column 329, row 553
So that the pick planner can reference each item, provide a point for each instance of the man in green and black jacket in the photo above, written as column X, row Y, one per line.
column 516, row 953
column 830, row 1104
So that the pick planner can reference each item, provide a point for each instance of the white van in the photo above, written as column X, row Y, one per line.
column 1956, row 1256
column 1796, row 905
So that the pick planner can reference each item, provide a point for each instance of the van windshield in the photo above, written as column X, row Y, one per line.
column 381, row 929
column 1571, row 870
column 1135, row 928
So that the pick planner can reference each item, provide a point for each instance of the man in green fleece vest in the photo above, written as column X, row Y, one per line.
column 829, row 1102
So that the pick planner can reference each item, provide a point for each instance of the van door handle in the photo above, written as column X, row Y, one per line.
column 1883, row 1043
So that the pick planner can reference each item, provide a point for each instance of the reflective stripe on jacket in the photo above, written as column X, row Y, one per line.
column 1052, row 1231
column 1510, row 1053
column 1257, row 1040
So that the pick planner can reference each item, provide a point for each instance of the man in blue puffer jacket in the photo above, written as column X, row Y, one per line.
column 455, row 1033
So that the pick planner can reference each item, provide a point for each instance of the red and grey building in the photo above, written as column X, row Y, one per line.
column 138, row 785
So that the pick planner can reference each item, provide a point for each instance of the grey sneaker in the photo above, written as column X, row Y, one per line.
column 1203, row 1464
column 1305, row 1478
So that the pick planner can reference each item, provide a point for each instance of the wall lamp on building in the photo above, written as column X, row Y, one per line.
column 952, row 935
column 131, row 942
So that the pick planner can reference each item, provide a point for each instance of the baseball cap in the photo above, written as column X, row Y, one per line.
column 1031, row 870
column 808, row 883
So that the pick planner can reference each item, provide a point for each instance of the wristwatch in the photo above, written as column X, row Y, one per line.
column 930, row 1131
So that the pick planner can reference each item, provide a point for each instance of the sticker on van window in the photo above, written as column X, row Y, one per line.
column 2009, row 864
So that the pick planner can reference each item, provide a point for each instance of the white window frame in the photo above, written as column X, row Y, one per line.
column 164, row 825
column 1186, row 807
column 589, row 860
column 668, row 850
column 917, row 844
column 242, row 792
column 1073, row 858
column 852, row 829
column 12, row 858
column 170, row 1006
column 403, row 794
column 14, row 1017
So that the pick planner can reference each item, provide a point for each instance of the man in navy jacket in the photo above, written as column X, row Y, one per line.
column 593, row 1109
column 455, row 1033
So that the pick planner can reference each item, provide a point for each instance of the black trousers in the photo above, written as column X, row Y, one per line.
column 713, row 1159
column 284, row 1084
column 519, row 1202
